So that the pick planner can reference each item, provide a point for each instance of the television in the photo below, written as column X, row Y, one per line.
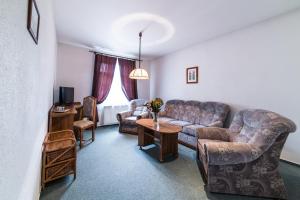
column 66, row 95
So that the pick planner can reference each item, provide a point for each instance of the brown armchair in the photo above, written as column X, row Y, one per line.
column 244, row 159
column 89, row 113
column 127, row 119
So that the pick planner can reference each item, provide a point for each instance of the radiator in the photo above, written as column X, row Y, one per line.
column 107, row 114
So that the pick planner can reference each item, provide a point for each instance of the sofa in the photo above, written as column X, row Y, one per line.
column 127, row 119
column 192, row 116
column 244, row 159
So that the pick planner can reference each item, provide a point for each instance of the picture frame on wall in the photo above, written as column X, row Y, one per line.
column 33, row 20
column 192, row 75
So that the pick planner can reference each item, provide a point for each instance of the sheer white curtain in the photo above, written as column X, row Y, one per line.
column 115, row 102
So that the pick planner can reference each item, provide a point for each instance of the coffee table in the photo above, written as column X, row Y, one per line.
column 167, row 134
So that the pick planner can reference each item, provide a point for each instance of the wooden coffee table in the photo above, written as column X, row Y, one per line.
column 166, row 133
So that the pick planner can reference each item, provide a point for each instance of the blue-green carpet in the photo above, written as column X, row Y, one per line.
column 113, row 168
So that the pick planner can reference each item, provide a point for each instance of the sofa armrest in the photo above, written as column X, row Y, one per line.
column 123, row 115
column 216, row 124
column 213, row 133
column 228, row 153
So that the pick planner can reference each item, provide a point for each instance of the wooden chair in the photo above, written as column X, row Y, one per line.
column 89, row 112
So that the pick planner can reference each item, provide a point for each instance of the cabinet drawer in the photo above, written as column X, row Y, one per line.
column 63, row 154
column 60, row 170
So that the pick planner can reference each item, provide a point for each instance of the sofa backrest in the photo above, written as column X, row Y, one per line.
column 211, row 112
column 172, row 108
column 259, row 127
column 197, row 112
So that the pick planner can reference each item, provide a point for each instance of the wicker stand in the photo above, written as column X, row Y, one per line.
column 59, row 156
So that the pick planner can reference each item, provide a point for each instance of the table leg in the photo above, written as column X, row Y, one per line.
column 144, row 139
column 176, row 145
column 81, row 138
column 93, row 133
column 168, row 146
column 162, row 148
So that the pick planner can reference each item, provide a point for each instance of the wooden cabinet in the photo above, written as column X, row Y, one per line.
column 59, row 155
column 61, row 121
column 64, row 120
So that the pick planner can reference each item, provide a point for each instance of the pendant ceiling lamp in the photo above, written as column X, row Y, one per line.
column 139, row 73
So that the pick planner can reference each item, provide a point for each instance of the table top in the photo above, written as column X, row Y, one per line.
column 69, row 110
column 159, row 126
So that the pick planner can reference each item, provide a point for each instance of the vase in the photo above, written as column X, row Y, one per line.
column 154, row 115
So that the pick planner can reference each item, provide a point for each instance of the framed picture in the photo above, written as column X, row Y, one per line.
column 33, row 20
column 192, row 75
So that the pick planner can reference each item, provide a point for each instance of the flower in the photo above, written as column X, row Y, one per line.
column 155, row 105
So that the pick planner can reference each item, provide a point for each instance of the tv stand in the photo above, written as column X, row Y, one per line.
column 63, row 120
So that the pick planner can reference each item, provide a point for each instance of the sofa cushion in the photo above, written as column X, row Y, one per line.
column 187, row 140
column 192, row 129
column 179, row 123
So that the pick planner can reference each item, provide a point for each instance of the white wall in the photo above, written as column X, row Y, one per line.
column 76, row 68
column 26, row 87
column 143, row 86
column 257, row 67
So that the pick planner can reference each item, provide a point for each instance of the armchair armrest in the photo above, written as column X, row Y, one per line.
column 123, row 115
column 216, row 124
column 213, row 133
column 227, row 153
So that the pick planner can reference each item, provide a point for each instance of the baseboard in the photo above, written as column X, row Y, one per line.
column 291, row 163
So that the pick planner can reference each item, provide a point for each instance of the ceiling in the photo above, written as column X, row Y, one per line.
column 112, row 26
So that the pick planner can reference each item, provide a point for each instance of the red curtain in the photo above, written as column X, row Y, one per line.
column 103, row 75
column 129, row 86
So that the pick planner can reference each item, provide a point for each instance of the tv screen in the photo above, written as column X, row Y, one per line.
column 66, row 95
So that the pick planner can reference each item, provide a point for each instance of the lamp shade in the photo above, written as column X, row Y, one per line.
column 139, row 73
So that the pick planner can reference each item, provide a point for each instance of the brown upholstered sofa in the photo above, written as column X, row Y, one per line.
column 192, row 116
column 127, row 119
column 244, row 158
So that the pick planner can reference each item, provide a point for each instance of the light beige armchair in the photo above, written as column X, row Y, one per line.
column 127, row 119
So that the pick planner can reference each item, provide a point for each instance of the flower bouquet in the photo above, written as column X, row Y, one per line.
column 154, row 106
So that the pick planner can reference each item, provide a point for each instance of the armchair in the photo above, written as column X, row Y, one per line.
column 127, row 119
column 244, row 159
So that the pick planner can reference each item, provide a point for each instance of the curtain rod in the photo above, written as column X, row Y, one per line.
column 115, row 56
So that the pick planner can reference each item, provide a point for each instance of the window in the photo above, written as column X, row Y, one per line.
column 116, row 96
